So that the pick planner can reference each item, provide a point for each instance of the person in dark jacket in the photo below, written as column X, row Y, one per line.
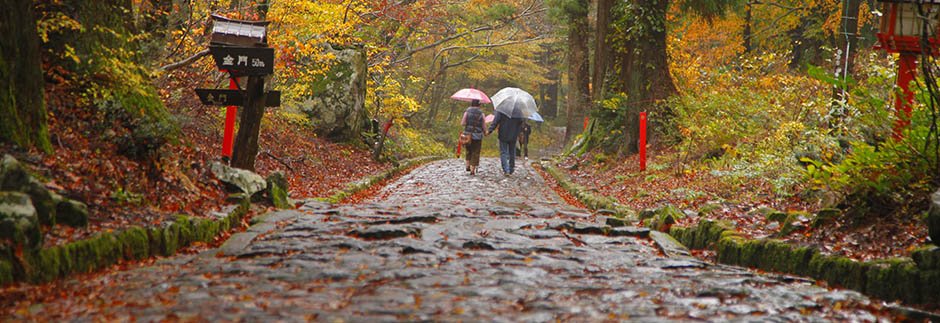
column 508, row 135
column 472, row 123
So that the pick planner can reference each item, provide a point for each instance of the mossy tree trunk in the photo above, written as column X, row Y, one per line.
column 22, row 106
column 645, row 73
column 578, row 67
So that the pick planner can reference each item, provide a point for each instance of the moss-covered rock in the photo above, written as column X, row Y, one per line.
column 825, row 216
column 892, row 279
column 795, row 221
column 13, row 177
column 929, row 282
column 838, row 271
column 704, row 235
column 664, row 217
column 277, row 191
column 933, row 218
column 776, row 216
column 19, row 222
column 71, row 213
column 927, row 258
column 135, row 242
column 6, row 272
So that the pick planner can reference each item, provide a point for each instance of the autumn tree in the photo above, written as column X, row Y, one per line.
column 21, row 81
column 574, row 15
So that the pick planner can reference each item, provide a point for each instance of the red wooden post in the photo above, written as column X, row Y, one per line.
column 642, row 142
column 231, row 112
column 907, row 70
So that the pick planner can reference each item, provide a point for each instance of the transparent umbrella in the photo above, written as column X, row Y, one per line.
column 514, row 102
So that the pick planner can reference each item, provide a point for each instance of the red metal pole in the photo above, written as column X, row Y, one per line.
column 904, row 101
column 231, row 112
column 642, row 142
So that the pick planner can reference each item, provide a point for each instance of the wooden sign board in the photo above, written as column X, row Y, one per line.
column 234, row 97
column 242, row 61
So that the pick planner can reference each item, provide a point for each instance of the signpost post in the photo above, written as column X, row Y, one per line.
column 240, row 48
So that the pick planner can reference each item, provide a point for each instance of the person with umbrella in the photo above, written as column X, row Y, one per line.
column 472, row 122
column 512, row 107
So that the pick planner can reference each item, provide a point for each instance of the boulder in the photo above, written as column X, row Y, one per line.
column 277, row 191
column 13, row 177
column 933, row 218
column 19, row 223
column 71, row 213
column 826, row 216
column 337, row 108
column 246, row 181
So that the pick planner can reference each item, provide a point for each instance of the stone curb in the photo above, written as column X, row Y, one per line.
column 912, row 280
column 592, row 201
column 365, row 183
column 108, row 248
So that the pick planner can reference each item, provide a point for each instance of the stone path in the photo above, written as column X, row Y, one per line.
column 441, row 245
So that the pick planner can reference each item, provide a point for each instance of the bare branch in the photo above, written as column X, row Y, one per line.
column 185, row 62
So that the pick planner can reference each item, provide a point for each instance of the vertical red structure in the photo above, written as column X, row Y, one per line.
column 902, row 31
column 585, row 123
column 642, row 139
column 231, row 113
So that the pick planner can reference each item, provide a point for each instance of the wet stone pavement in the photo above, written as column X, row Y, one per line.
column 441, row 245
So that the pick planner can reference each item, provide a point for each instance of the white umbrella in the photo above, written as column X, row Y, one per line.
column 514, row 102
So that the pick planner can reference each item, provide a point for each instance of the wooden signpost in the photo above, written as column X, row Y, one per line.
column 240, row 48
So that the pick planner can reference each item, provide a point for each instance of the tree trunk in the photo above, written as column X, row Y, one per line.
column 578, row 70
column 249, row 127
column 645, row 71
column 601, row 49
column 437, row 91
column 22, row 105
column 747, row 29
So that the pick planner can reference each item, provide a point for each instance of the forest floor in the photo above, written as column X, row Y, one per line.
column 120, row 191
column 688, row 188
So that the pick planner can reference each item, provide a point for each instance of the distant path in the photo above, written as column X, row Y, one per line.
column 438, row 244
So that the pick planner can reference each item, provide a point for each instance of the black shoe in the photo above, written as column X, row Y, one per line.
column 468, row 168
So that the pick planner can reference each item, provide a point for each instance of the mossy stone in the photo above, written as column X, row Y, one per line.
column 13, row 177
column 776, row 216
column 927, row 258
column 19, row 221
column 72, row 213
column 839, row 271
column 930, row 286
column 794, row 222
column 894, row 279
column 825, row 216
column 171, row 239
column 6, row 272
column 729, row 249
column 277, row 191
column 136, row 243
column 43, row 201
column 933, row 218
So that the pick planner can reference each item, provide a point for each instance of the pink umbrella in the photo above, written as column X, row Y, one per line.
column 470, row 95
column 489, row 118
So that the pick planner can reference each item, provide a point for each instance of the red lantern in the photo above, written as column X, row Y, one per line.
column 904, row 23
column 902, row 26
